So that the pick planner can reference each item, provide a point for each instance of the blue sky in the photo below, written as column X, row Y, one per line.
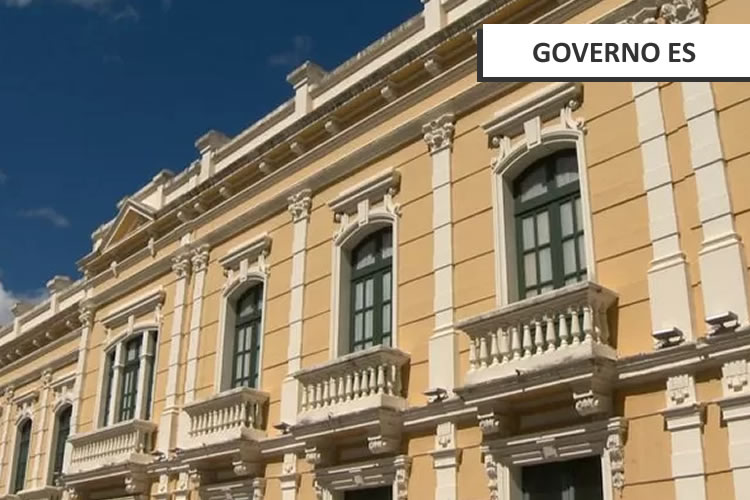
column 97, row 96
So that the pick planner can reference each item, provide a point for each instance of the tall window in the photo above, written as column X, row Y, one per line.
column 62, row 432
column 371, row 283
column 245, row 361
column 127, row 394
column 549, row 227
column 572, row 480
column 22, row 455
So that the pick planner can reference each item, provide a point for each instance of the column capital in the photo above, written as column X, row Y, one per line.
column 438, row 133
column 181, row 265
column 300, row 204
column 199, row 258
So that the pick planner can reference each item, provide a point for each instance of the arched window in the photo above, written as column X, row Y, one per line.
column 127, row 394
column 62, row 431
column 247, row 333
column 371, row 291
column 22, row 455
column 549, row 224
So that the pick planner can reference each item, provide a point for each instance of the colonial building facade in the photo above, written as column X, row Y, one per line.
column 403, row 283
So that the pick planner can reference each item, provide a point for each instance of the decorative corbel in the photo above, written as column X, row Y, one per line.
column 438, row 133
column 300, row 204
column 567, row 119
column 181, row 265
column 402, row 465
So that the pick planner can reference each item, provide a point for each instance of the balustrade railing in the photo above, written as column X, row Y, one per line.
column 352, row 381
column 126, row 441
column 538, row 327
column 233, row 414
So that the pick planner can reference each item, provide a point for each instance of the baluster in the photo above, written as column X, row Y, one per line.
column 391, row 379
column 342, row 389
column 326, row 393
column 472, row 355
column 245, row 416
column 538, row 337
column 332, row 390
column 603, row 327
column 526, row 340
column 563, row 327
column 318, row 396
column 550, row 337
column 504, row 344
column 357, row 384
column 349, row 388
column 483, row 351
column 397, row 389
column 381, row 379
column 575, row 325
column 494, row 348
column 303, row 399
column 311, row 401
column 515, row 341
column 587, row 323
column 372, row 376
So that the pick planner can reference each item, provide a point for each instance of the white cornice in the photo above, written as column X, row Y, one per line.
column 371, row 189
column 143, row 304
column 249, row 250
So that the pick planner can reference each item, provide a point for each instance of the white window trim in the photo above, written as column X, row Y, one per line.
column 244, row 267
column 24, row 411
column 503, row 458
column 360, row 211
column 523, row 121
column 117, row 344
column 63, row 396
column 331, row 482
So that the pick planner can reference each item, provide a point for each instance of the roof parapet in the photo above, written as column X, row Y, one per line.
column 434, row 15
column 304, row 80
column 207, row 145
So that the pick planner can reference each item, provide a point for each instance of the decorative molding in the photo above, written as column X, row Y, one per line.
column 181, row 265
column 250, row 252
column 356, row 199
column 680, row 390
column 670, row 12
column 392, row 471
column 380, row 444
column 151, row 301
column 438, row 133
column 735, row 377
column 199, row 258
column 590, row 403
column 615, row 452
column 300, row 204
column 490, row 468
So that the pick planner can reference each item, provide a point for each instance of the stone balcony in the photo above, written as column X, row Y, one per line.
column 223, row 432
column 362, row 392
column 129, row 441
column 111, row 458
column 540, row 342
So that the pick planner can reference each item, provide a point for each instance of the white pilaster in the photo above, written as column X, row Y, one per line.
column 7, row 415
column 86, row 317
column 299, row 208
column 668, row 279
column 41, row 429
column 446, row 459
column 735, row 411
column 722, row 261
column 168, row 417
column 443, row 346
column 289, row 477
column 200, row 265
column 684, row 419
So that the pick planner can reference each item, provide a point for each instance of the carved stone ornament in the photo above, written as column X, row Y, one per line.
column 381, row 444
column 438, row 133
column 289, row 466
column 46, row 378
column 614, row 450
column 134, row 484
column 490, row 468
column 199, row 259
column 591, row 403
column 181, row 265
column 73, row 494
column 671, row 12
column 735, row 376
column 319, row 490
column 300, row 204
column 86, row 317
column 194, row 476
column 401, row 478
column 163, row 486
column 680, row 390
column 259, row 488
column 183, row 482
column 314, row 456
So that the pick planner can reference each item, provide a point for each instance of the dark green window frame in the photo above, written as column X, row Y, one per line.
column 129, row 383
column 62, row 432
column 22, row 455
column 109, row 384
column 579, row 479
column 371, row 291
column 549, row 228
column 247, row 333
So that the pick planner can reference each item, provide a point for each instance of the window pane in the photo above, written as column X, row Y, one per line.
column 566, row 170
column 569, row 256
column 566, row 218
column 369, row 292
column 528, row 233
column 581, row 253
column 542, row 228
column 529, row 261
column 531, row 292
column 240, row 340
column 387, row 247
column 579, row 215
column 387, row 286
column 358, row 326
column 368, row 324
column 534, row 184
column 386, row 318
column 359, row 299
column 545, row 265
column 365, row 255
column 249, row 338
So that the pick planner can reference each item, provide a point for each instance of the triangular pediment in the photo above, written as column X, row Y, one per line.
column 132, row 216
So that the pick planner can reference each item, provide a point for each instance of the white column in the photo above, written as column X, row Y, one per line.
column 114, row 403
column 41, row 428
column 443, row 345
column 168, row 418
column 4, row 438
column 684, row 419
column 145, row 367
column 668, row 279
column 86, row 317
column 722, row 260
column 299, row 208
column 735, row 411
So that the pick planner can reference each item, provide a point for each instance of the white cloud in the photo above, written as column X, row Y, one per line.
column 48, row 214
column 301, row 47
column 3, row 177
column 8, row 299
column 104, row 7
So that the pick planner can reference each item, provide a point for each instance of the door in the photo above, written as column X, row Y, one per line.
column 383, row 493
column 572, row 480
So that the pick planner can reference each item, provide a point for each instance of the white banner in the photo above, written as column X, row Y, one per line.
column 610, row 52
